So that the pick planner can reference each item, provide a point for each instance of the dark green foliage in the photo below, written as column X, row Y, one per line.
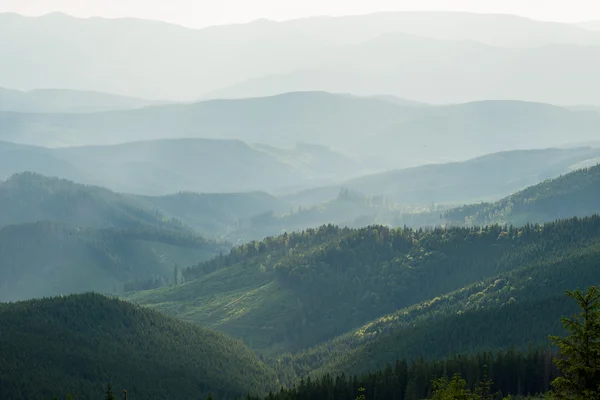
column 457, row 377
column 570, row 195
column 307, row 288
column 453, row 389
column 109, row 394
column 78, row 343
column 483, row 391
column 580, row 350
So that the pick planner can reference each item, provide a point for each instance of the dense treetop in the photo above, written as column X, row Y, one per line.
column 78, row 343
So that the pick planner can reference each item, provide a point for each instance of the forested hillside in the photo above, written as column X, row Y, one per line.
column 504, row 372
column 78, row 343
column 29, row 197
column 48, row 258
column 298, row 290
column 570, row 195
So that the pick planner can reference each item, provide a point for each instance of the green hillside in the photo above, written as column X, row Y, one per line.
column 29, row 197
column 295, row 291
column 519, row 307
column 573, row 194
column 76, row 344
column 47, row 258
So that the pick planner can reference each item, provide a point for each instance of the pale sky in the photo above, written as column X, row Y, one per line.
column 200, row 13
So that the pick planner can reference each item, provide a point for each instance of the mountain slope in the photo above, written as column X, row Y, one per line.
column 66, row 101
column 481, row 128
column 438, row 72
column 489, row 315
column 48, row 258
column 483, row 178
column 294, row 291
column 16, row 158
column 164, row 167
column 285, row 119
column 377, row 132
column 158, row 52
column 217, row 214
column 29, row 197
column 573, row 194
column 76, row 344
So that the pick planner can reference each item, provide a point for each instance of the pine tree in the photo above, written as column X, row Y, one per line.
column 109, row 393
column 580, row 350
column 484, row 388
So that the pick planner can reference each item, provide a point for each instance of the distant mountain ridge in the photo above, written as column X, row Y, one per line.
column 378, row 133
column 67, row 101
column 162, row 167
column 478, row 179
column 167, row 69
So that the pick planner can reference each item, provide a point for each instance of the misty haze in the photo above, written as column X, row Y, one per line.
column 277, row 200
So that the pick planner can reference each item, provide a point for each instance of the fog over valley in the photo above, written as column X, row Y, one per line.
column 283, row 201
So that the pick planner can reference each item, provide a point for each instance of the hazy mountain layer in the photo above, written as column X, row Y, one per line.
column 489, row 177
column 156, row 60
column 49, row 258
column 66, row 101
column 574, row 194
column 164, row 167
column 378, row 133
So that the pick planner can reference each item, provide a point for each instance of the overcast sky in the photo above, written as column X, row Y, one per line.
column 199, row 13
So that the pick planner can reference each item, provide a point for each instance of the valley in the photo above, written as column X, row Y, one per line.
column 393, row 205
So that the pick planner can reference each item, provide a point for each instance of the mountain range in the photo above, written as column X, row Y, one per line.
column 425, row 56
column 167, row 166
column 363, row 133
column 66, row 101
column 488, row 177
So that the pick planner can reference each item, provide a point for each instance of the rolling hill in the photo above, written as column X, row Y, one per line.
column 164, row 167
column 49, row 258
column 378, row 134
column 66, row 101
column 78, row 343
column 60, row 237
column 488, row 177
column 30, row 197
column 218, row 215
column 282, row 120
column 438, row 72
column 295, row 291
column 481, row 128
column 573, row 194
